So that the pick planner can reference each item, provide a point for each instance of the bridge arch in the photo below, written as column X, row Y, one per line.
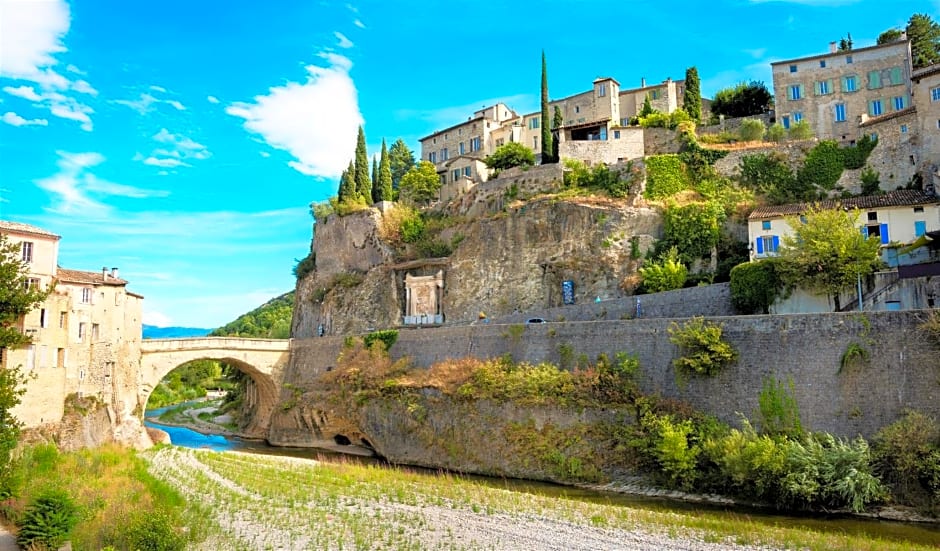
column 263, row 360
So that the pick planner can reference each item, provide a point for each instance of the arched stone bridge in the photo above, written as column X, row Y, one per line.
column 264, row 360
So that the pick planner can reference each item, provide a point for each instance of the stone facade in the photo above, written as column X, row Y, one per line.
column 896, row 158
column 927, row 101
column 623, row 144
column 85, row 340
column 665, row 97
column 837, row 91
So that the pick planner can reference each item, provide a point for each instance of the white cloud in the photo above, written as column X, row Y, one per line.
column 164, row 162
column 156, row 88
column 12, row 118
column 156, row 318
column 264, row 154
column 315, row 121
column 359, row 24
column 31, row 36
column 146, row 102
column 75, row 190
column 175, row 150
column 343, row 41
column 212, row 99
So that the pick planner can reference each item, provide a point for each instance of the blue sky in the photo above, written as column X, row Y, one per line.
column 183, row 141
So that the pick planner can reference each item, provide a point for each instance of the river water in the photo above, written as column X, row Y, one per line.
column 891, row 531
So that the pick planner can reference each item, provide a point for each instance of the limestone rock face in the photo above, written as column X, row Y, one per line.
column 515, row 260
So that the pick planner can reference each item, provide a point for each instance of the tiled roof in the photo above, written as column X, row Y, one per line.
column 926, row 71
column 899, row 198
column 889, row 116
column 91, row 278
column 840, row 53
column 25, row 228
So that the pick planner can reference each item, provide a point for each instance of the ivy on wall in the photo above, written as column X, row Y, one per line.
column 666, row 175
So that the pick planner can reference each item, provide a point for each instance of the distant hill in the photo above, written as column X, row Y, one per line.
column 154, row 332
column 271, row 320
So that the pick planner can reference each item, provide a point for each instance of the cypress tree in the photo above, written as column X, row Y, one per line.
column 692, row 97
column 375, row 178
column 547, row 148
column 557, row 121
column 347, row 186
column 385, row 176
column 361, row 170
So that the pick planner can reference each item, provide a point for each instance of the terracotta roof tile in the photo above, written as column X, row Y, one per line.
column 899, row 198
column 25, row 228
column 889, row 116
column 91, row 278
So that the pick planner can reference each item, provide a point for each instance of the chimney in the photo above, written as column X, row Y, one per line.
column 642, row 82
column 114, row 273
column 832, row 48
column 104, row 273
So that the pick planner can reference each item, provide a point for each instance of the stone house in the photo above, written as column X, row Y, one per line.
column 85, row 335
column 926, row 85
column 837, row 91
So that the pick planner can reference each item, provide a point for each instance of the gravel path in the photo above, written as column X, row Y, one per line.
column 261, row 522
column 7, row 541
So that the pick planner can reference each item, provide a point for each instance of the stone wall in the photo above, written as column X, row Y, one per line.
column 660, row 141
column 734, row 124
column 900, row 374
column 793, row 152
column 895, row 158
column 630, row 145
column 490, row 196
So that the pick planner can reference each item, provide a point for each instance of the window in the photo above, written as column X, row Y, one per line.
column 27, row 249
column 86, row 295
column 849, row 83
column 900, row 102
column 460, row 148
column 792, row 68
column 786, row 121
column 840, row 112
column 935, row 94
column 875, row 108
column 456, row 175
column 920, row 228
column 616, row 134
column 603, row 133
column 460, row 131
column 874, row 136
column 848, row 60
column 60, row 358
column 877, row 230
column 432, row 157
column 655, row 94
column 797, row 116
column 767, row 245
column 500, row 141
column 533, row 123
column 823, row 87
column 475, row 144
column 444, row 154
column 795, row 91
column 466, row 171
column 625, row 121
column 874, row 80
column 63, row 319
column 535, row 143
column 434, row 141
column 577, row 108
column 765, row 225
column 903, row 129
column 81, row 331
column 822, row 63
column 918, row 209
column 602, row 89
column 895, row 76
column 873, row 216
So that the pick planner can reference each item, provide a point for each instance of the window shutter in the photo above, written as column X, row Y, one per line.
column 816, row 88
column 864, row 231
column 802, row 93
column 884, row 234
column 760, row 246
column 776, row 243
column 895, row 75
column 845, row 84
column 920, row 228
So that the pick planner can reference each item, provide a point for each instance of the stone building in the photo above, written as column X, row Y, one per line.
column 836, row 92
column 85, row 335
column 926, row 84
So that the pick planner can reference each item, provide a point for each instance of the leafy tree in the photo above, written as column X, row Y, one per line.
column 557, row 122
column 889, row 35
column 375, row 178
column 752, row 130
column 692, row 230
column 924, row 34
column 845, row 43
column 666, row 275
column 17, row 298
column 647, row 108
column 347, row 185
column 827, row 253
column 421, row 184
column 385, row 191
column 271, row 320
column 400, row 159
column 510, row 155
column 742, row 100
column 361, row 171
column 823, row 165
column 692, row 97
column 547, row 143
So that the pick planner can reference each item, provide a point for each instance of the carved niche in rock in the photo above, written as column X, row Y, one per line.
column 423, row 299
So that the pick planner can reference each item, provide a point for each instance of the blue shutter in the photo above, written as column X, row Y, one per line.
column 760, row 246
column 884, row 234
column 920, row 228
column 776, row 243
column 864, row 231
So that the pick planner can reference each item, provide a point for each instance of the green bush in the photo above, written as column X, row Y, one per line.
column 752, row 130
column 801, row 131
column 748, row 464
column 906, row 455
column 871, row 182
column 823, row 165
column 693, row 229
column 779, row 412
column 48, row 521
column 702, row 348
column 665, row 176
column 666, row 275
column 503, row 380
column 412, row 228
column 776, row 132
column 433, row 248
column 305, row 266
column 387, row 337
column 755, row 286
column 152, row 531
column 616, row 183
column 855, row 156
column 675, row 452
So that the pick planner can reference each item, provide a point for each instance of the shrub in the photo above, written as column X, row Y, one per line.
column 702, row 348
column 665, row 176
column 48, row 521
column 748, row 464
column 801, row 130
column 776, row 132
column 412, row 227
column 387, row 337
column 664, row 276
column 855, row 156
column 693, row 229
column 779, row 412
column 906, row 456
column 305, row 266
column 823, row 165
column 755, row 286
column 871, row 184
column 153, row 531
column 752, row 130
column 433, row 248
column 576, row 173
column 503, row 380
column 674, row 452
column 510, row 155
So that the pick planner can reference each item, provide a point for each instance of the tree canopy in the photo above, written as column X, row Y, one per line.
column 383, row 191
column 510, row 155
column 420, row 184
column 827, row 252
column 924, row 34
column 271, row 320
column 361, row 170
column 547, row 141
column 692, row 96
column 742, row 100
column 400, row 159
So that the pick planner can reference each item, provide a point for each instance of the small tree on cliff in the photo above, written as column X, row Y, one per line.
column 17, row 298
column 510, row 155
column 420, row 184
column 692, row 97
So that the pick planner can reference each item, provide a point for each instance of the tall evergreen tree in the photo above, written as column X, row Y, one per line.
column 647, row 109
column 557, row 121
column 692, row 97
column 361, row 171
column 385, row 176
column 401, row 159
column 375, row 179
column 547, row 148
column 347, row 186
column 924, row 34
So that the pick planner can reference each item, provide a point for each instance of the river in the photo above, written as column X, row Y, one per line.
column 928, row 534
